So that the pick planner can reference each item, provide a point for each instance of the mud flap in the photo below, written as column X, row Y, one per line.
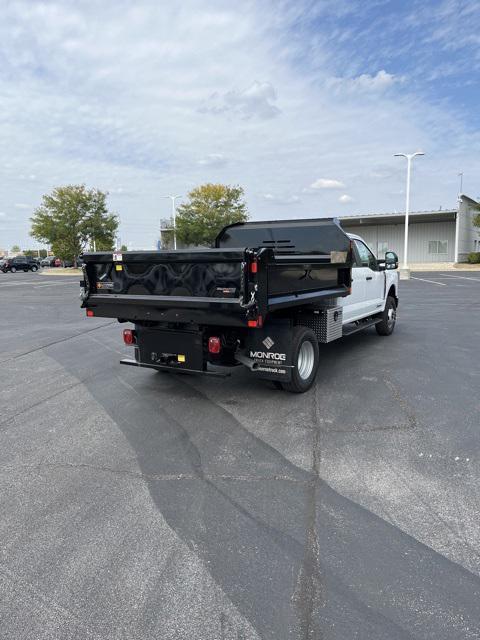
column 268, row 351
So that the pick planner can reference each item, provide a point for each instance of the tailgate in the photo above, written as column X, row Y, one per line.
column 125, row 285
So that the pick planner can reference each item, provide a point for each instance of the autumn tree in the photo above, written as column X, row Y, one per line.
column 210, row 207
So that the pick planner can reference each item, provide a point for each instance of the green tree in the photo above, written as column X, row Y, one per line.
column 34, row 253
column 16, row 248
column 209, row 209
column 72, row 218
column 123, row 248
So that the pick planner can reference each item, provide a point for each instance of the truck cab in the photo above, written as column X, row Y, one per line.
column 373, row 281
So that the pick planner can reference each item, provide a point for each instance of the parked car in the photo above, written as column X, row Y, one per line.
column 20, row 263
column 48, row 261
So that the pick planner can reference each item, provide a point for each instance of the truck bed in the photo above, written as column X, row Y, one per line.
column 227, row 285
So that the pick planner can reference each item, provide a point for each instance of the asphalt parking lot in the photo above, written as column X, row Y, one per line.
column 143, row 505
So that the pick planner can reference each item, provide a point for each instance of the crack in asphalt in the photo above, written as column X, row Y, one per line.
column 54, row 342
column 40, row 402
column 309, row 594
column 157, row 476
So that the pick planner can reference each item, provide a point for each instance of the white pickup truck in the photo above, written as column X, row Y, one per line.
column 265, row 296
column 373, row 290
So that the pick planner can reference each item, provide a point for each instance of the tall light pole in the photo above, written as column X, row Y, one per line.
column 409, row 157
column 174, row 217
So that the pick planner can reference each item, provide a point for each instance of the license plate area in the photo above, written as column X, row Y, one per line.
column 175, row 349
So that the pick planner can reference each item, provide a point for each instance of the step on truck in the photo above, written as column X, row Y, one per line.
column 264, row 298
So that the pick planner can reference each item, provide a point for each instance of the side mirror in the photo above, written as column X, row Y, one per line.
column 391, row 260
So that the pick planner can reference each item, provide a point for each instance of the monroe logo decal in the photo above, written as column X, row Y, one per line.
column 268, row 355
column 268, row 342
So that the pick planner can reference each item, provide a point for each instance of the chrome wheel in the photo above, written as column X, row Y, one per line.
column 306, row 360
column 391, row 317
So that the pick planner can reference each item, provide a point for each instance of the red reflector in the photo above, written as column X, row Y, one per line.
column 258, row 322
column 90, row 313
column 214, row 344
column 129, row 336
column 254, row 267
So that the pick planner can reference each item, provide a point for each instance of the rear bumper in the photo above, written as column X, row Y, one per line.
column 133, row 363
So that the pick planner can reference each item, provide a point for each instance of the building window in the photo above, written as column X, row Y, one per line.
column 438, row 247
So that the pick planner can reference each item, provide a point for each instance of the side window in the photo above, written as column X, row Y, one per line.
column 367, row 258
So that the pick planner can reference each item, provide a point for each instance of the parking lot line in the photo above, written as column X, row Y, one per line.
column 441, row 284
column 53, row 284
column 15, row 284
column 447, row 275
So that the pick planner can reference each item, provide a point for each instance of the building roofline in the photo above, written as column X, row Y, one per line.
column 400, row 214
column 462, row 196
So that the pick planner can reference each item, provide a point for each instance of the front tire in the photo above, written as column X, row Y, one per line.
column 34, row 269
column 13, row 270
column 389, row 318
column 305, row 359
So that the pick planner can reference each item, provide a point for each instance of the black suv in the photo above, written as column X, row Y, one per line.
column 20, row 263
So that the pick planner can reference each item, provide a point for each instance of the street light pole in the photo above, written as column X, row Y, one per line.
column 174, row 217
column 409, row 157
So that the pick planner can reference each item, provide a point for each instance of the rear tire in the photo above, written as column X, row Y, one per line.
column 389, row 317
column 305, row 356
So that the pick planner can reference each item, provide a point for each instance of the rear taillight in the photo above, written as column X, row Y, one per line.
column 253, row 266
column 90, row 313
column 214, row 344
column 129, row 336
column 256, row 323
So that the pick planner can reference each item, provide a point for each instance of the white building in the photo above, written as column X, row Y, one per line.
column 434, row 236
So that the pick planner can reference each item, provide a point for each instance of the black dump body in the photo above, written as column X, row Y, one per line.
column 255, row 270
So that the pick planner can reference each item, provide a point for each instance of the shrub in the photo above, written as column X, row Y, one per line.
column 474, row 257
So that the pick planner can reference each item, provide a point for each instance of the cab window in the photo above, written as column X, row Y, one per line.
column 366, row 257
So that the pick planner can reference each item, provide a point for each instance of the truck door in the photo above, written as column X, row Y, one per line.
column 374, row 279
column 354, row 304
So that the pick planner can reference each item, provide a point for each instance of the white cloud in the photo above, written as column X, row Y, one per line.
column 213, row 160
column 327, row 183
column 281, row 200
column 256, row 101
column 22, row 205
column 2, row 214
column 366, row 82
column 345, row 199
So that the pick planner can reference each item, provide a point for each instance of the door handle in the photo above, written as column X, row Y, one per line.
column 369, row 278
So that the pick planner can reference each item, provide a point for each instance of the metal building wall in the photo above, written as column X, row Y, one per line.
column 418, row 238
column 468, row 234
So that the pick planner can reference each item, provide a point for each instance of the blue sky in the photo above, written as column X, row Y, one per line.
column 302, row 103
